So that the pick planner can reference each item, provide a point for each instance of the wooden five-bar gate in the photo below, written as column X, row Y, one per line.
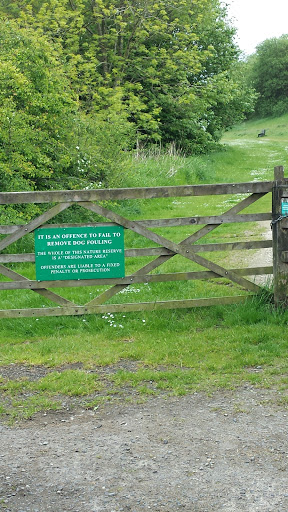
column 165, row 249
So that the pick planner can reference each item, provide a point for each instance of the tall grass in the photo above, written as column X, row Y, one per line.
column 243, row 157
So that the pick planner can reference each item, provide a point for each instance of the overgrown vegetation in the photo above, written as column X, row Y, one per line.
column 267, row 72
column 83, row 83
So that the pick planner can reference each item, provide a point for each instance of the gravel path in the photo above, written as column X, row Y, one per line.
column 228, row 452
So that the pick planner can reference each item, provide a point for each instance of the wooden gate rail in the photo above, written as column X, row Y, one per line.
column 116, row 194
column 92, row 200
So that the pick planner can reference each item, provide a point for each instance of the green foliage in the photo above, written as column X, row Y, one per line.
column 167, row 67
column 36, row 110
column 103, row 143
column 268, row 73
column 46, row 140
column 175, row 67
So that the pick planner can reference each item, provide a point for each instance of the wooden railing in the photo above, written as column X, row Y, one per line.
column 189, row 248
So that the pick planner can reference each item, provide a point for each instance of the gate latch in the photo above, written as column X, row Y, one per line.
column 277, row 220
column 284, row 211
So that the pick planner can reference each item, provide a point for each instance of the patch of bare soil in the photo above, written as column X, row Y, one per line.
column 228, row 452
column 263, row 257
column 258, row 258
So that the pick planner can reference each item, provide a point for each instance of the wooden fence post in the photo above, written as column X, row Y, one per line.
column 280, row 237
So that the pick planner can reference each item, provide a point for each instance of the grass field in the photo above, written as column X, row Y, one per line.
column 108, row 356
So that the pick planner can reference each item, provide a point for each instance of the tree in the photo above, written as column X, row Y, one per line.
column 170, row 62
column 46, row 140
column 268, row 73
column 175, row 62
column 37, row 108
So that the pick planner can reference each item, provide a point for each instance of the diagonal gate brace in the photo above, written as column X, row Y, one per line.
column 183, row 249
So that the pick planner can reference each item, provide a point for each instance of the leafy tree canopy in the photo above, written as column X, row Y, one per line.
column 36, row 110
column 167, row 67
column 46, row 140
column 268, row 73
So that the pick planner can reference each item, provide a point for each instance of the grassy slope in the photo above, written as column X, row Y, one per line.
column 176, row 351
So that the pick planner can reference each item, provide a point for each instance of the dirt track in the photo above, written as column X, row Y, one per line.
column 228, row 452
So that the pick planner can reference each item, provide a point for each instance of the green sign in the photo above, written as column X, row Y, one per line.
column 79, row 253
